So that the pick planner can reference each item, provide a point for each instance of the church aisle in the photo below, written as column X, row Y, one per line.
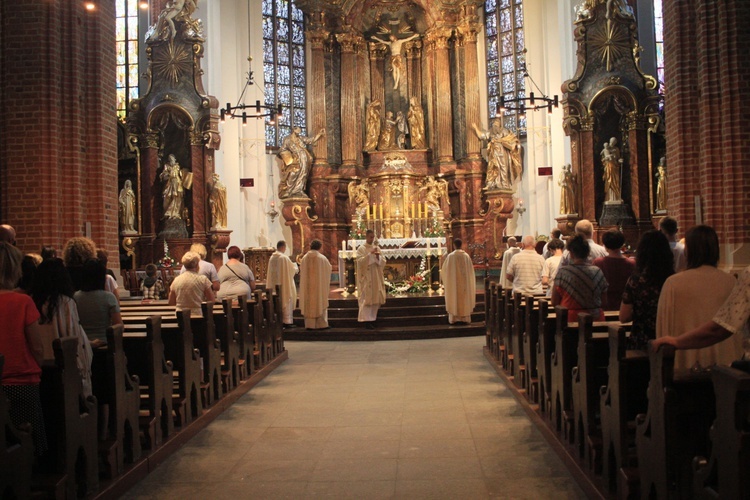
column 406, row 419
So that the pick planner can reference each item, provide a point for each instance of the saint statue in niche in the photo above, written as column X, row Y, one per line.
column 395, row 45
column 297, row 161
column 403, row 130
column 567, row 185
column 372, row 122
column 661, row 185
column 612, row 164
column 416, row 124
column 176, row 180
column 217, row 200
column 388, row 133
column 504, row 164
column 127, row 208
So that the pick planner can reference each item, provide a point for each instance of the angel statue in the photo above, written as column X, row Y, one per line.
column 176, row 180
column 174, row 10
column 435, row 189
column 359, row 195
column 372, row 122
column 395, row 45
column 217, row 200
column 504, row 164
column 126, row 202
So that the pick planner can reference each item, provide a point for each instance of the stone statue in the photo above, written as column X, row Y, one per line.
column 395, row 45
column 504, row 164
column 297, row 161
column 567, row 183
column 174, row 10
column 435, row 189
column 217, row 200
column 127, row 208
column 416, row 124
column 359, row 195
column 661, row 185
column 403, row 130
column 176, row 180
column 373, row 125
column 388, row 133
column 612, row 164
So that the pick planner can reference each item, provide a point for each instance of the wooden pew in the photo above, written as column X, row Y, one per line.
column 530, row 340
column 545, row 348
column 277, row 330
column 262, row 331
column 123, row 444
column 228, row 335
column 245, row 339
column 621, row 400
column 562, row 360
column 506, row 327
column 497, row 319
column 16, row 453
column 180, row 348
column 204, row 338
column 725, row 474
column 681, row 408
column 490, row 288
column 515, row 333
column 71, row 424
column 156, row 375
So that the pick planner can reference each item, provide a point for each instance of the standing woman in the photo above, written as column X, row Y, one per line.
column 235, row 277
column 21, row 344
column 654, row 263
column 98, row 309
column 579, row 286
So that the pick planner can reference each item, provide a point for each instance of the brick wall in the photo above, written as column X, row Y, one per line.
column 58, row 142
column 707, row 107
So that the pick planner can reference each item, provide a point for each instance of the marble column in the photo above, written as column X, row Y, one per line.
column 202, row 167
column 414, row 68
column 439, row 38
column 317, row 95
column 377, row 56
column 351, row 136
column 468, row 29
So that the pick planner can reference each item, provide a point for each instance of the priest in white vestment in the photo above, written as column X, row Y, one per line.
column 509, row 253
column 281, row 271
column 460, row 285
column 314, row 285
column 370, row 282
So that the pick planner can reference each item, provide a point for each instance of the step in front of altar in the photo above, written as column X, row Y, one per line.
column 387, row 333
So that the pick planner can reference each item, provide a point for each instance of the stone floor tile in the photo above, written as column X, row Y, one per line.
column 436, row 489
column 355, row 490
column 371, row 469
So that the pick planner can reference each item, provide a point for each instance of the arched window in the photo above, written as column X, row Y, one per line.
column 127, row 36
column 503, row 22
column 659, row 43
column 284, row 67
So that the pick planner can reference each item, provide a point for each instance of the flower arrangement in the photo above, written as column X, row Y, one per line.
column 417, row 283
column 434, row 229
column 167, row 260
column 359, row 230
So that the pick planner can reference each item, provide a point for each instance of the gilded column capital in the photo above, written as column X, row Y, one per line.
column 413, row 49
column 349, row 42
column 468, row 30
column 437, row 38
column 151, row 140
column 587, row 123
column 197, row 138
column 377, row 51
column 635, row 121
column 317, row 37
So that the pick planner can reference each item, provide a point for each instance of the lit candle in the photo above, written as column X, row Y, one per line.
column 381, row 211
column 425, row 212
column 368, row 213
column 412, row 210
column 419, row 210
column 343, row 245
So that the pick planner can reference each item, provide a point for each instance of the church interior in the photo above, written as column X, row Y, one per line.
column 152, row 126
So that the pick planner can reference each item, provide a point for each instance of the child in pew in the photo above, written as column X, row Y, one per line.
column 152, row 286
column 52, row 291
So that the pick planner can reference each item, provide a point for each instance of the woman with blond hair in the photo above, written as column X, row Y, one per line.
column 77, row 251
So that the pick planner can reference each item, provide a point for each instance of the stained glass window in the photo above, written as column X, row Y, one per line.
column 503, row 22
column 659, row 39
column 284, row 67
column 127, row 54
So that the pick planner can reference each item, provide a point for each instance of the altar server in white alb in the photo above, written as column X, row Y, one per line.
column 281, row 271
column 460, row 285
column 370, row 283
column 314, row 285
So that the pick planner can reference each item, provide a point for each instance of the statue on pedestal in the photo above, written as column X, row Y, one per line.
column 416, row 124
column 217, row 200
column 435, row 189
column 388, row 133
column 176, row 180
column 504, row 164
column 297, row 161
column 402, row 130
column 373, row 125
column 395, row 45
column 661, row 185
column 126, row 203
column 174, row 10
column 612, row 169
column 567, row 183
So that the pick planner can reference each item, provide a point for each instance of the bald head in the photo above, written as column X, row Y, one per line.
column 585, row 228
column 7, row 234
column 512, row 242
column 529, row 242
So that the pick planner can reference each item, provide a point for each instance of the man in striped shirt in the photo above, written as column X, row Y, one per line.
column 525, row 268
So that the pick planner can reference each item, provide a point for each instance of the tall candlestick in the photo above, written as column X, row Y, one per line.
column 412, row 210
column 381, row 211
column 368, row 212
column 419, row 210
column 343, row 245
column 426, row 213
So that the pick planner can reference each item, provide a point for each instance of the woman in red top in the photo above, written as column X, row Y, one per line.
column 21, row 344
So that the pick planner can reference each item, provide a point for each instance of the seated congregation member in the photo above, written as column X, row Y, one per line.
column 616, row 268
column 98, row 309
column 204, row 267
column 190, row 289
column 668, row 226
column 152, row 286
column 525, row 268
column 314, row 285
column 77, row 251
column 551, row 264
column 281, row 271
column 585, row 228
column 732, row 318
column 579, row 286
column 692, row 297
column 52, row 292
column 21, row 344
column 460, row 285
column 640, row 299
column 235, row 277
